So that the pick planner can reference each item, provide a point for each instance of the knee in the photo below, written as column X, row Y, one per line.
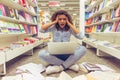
column 81, row 49
column 42, row 54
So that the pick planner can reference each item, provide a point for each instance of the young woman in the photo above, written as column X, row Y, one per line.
column 62, row 27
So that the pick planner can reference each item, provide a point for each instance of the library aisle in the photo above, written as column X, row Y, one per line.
column 90, row 56
column 21, row 38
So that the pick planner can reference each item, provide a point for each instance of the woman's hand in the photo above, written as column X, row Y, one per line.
column 72, row 26
column 46, row 26
column 56, row 20
column 68, row 23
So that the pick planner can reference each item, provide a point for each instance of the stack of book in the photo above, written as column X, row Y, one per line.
column 90, row 67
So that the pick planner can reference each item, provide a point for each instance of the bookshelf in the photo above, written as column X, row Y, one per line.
column 12, row 30
column 102, row 26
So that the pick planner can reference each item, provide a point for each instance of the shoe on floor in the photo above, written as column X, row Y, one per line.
column 53, row 69
column 75, row 67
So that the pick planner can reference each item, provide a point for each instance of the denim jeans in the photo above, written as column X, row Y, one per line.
column 70, row 60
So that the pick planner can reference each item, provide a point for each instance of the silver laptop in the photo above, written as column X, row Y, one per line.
column 62, row 47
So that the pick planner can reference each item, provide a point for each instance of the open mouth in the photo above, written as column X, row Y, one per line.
column 62, row 25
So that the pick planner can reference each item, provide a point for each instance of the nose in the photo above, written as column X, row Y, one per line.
column 62, row 20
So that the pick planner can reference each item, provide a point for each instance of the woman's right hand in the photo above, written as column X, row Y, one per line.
column 46, row 26
column 56, row 20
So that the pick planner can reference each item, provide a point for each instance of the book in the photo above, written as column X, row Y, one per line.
column 21, row 28
column 118, row 28
column 99, row 75
column 64, row 76
column 80, row 77
column 103, row 28
column 90, row 67
column 115, row 26
column 108, row 27
column 117, row 12
column 113, row 13
column 17, row 77
column 2, row 10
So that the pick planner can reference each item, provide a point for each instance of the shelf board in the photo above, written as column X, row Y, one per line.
column 31, row 3
column 37, row 43
column 90, row 43
column 8, row 19
column 106, row 33
column 29, row 12
column 90, row 7
column 28, row 23
column 10, row 34
column 17, row 6
column 18, row 51
column 2, row 58
column 114, row 19
column 114, row 3
column 21, row 50
column 87, row 2
column 105, row 9
column 11, row 4
column 97, row 23
column 112, row 51
column 105, row 21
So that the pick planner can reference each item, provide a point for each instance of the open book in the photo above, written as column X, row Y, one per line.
column 99, row 75
column 88, row 67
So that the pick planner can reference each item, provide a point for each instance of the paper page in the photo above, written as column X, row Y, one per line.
column 27, row 76
column 17, row 77
column 64, row 76
column 105, row 68
column 51, row 78
column 32, row 68
column 99, row 75
column 80, row 77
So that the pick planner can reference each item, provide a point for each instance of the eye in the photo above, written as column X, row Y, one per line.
column 60, row 19
column 64, row 19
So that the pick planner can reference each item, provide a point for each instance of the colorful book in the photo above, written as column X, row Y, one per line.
column 98, row 28
column 118, row 28
column 117, row 12
column 2, row 10
column 103, row 28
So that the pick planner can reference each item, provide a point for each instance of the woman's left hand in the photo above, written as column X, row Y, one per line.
column 72, row 26
column 68, row 23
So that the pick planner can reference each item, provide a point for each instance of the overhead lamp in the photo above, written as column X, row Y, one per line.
column 54, row 3
column 62, row 4
column 74, row 14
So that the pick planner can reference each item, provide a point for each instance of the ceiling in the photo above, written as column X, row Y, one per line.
column 72, row 6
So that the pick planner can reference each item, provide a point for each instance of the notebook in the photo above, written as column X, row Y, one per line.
column 62, row 47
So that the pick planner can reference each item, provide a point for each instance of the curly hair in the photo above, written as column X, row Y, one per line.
column 62, row 12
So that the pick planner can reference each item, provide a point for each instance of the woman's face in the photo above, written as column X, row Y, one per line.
column 62, row 20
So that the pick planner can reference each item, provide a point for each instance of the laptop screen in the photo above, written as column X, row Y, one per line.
column 62, row 47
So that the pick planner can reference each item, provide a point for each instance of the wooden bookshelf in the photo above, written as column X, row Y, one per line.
column 104, row 21
column 99, row 41
column 10, row 3
column 6, row 39
column 103, row 10
column 109, row 50
column 12, row 20
column 91, row 6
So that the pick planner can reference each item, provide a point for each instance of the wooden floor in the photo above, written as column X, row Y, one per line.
column 90, row 56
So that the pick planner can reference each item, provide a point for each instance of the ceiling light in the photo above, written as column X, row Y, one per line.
column 54, row 3
column 74, row 14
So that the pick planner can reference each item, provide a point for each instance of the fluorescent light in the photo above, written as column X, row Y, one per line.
column 54, row 3
column 74, row 14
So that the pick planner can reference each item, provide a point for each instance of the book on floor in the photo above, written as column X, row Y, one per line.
column 99, row 75
column 90, row 67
